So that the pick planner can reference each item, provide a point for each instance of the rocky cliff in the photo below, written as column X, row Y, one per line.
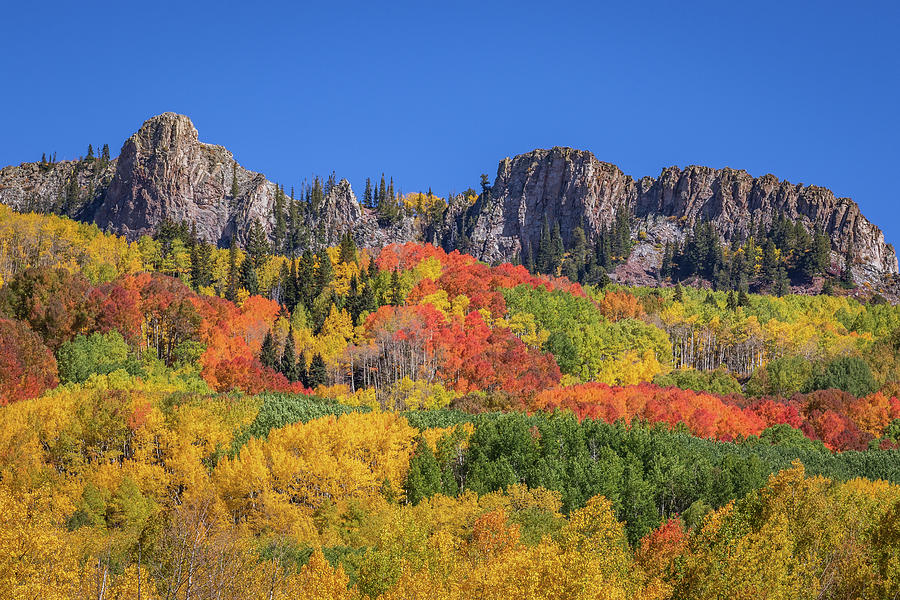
column 165, row 172
column 572, row 188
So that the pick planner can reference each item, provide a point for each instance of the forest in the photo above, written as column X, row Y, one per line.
column 182, row 421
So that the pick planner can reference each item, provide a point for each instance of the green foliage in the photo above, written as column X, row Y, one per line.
column 278, row 410
column 848, row 373
column 719, row 381
column 99, row 353
column 649, row 473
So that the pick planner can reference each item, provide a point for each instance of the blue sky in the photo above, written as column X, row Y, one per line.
column 435, row 94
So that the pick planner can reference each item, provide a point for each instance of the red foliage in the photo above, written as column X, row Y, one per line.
column 27, row 367
column 476, row 357
column 705, row 415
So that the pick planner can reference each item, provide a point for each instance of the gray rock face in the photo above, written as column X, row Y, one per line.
column 573, row 188
column 165, row 172
column 70, row 188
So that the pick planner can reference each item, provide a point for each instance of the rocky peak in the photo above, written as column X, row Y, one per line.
column 572, row 188
column 164, row 171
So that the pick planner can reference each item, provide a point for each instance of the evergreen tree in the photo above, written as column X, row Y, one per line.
column 679, row 293
column 324, row 272
column 743, row 299
column 544, row 258
column 232, row 283
column 318, row 374
column 288, row 366
column 347, row 248
column 257, row 243
column 90, row 152
column 301, row 373
column 235, row 190
column 268, row 354
column 104, row 154
column 827, row 287
column 557, row 249
column 782, row 283
column 367, row 194
column 280, row 222
column 731, row 302
column 201, row 264
column 305, row 276
column 288, row 284
column 396, row 294
column 248, row 279
column 847, row 272
column 424, row 477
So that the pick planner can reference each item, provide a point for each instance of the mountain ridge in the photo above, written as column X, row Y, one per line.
column 165, row 172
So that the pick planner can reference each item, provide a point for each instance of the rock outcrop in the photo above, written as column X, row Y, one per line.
column 572, row 188
column 165, row 172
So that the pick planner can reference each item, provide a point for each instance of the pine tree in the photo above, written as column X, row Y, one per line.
column 743, row 298
column 324, row 272
column 347, row 248
column 268, row 354
column 301, row 373
column 318, row 373
column 827, row 287
column 280, row 222
column 305, row 276
column 424, row 478
column 396, row 294
column 288, row 285
column 231, row 288
column 257, row 243
column 543, row 261
column 731, row 301
column 248, row 279
column 847, row 271
column 679, row 293
column 367, row 194
column 288, row 366
column 557, row 249
column 104, row 154
column 201, row 264
column 235, row 190
column 782, row 283
column 90, row 152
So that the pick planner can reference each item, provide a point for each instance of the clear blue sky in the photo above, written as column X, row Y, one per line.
column 435, row 94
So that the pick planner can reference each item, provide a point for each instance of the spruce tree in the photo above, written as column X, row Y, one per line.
column 248, row 278
column 367, row 194
column 280, row 222
column 424, row 478
column 679, row 293
column 104, row 154
column 90, row 152
column 288, row 365
column 231, row 286
column 201, row 264
column 396, row 294
column 731, row 301
column 347, row 248
column 318, row 374
column 301, row 373
column 268, row 354
column 257, row 243
column 324, row 272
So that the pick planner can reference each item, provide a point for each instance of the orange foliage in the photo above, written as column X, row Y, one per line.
column 621, row 305
column 705, row 415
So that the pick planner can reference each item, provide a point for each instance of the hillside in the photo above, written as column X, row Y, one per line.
column 164, row 173
column 197, row 422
